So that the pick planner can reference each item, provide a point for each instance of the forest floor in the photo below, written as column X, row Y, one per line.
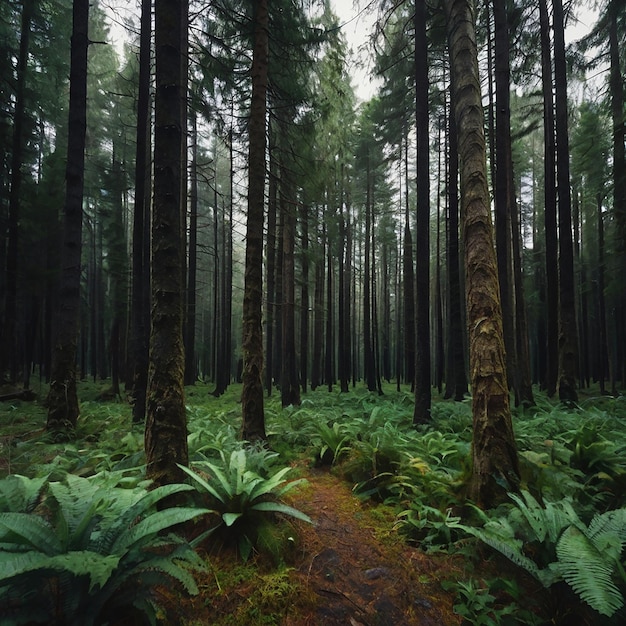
column 349, row 567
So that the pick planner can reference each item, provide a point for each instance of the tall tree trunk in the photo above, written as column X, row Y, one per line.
column 456, row 379
column 318, row 307
column 501, row 166
column 270, row 256
column 329, row 354
column 62, row 401
column 568, row 337
column 408, row 282
column 10, row 352
column 495, row 468
column 140, row 296
column 421, row 413
column 602, row 347
column 253, row 427
column 304, row 295
column 190, row 324
column 166, row 422
column 368, row 353
column 346, row 338
column 343, row 372
column 289, row 383
column 550, row 210
column 616, row 81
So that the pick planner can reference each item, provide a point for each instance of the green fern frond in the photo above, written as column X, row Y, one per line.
column 588, row 572
column 143, row 503
column 25, row 530
column 20, row 494
column 98, row 568
column 150, row 526
column 611, row 521
column 279, row 507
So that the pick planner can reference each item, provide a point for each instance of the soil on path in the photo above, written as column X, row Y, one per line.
column 362, row 573
column 348, row 568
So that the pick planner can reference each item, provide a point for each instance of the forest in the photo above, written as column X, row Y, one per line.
column 277, row 347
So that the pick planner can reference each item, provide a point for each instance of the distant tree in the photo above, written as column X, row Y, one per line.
column 8, row 340
column 495, row 468
column 63, row 409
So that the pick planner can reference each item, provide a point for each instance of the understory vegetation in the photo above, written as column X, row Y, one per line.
column 82, row 534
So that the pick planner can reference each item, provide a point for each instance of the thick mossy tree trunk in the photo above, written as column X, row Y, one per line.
column 166, row 423
column 63, row 406
column 253, row 426
column 494, row 455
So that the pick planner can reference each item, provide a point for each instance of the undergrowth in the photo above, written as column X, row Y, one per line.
column 565, row 529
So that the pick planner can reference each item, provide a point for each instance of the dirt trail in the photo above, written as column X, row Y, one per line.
column 360, row 571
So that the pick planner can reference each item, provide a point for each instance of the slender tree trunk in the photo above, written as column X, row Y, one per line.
column 346, row 338
column 438, row 304
column 368, row 354
column 270, row 255
column 140, row 296
column 329, row 374
column 344, row 375
column 318, row 323
column 616, row 81
column 62, row 401
column 456, row 380
column 568, row 339
column 408, row 281
column 502, row 176
column 304, row 295
column 550, row 221
column 495, row 468
column 10, row 353
column 421, row 412
column 603, row 347
column 166, row 422
column 191, row 372
column 290, row 385
column 253, row 427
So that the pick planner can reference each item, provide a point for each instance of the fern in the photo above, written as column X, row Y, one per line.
column 100, row 547
column 20, row 494
column 587, row 558
column 588, row 571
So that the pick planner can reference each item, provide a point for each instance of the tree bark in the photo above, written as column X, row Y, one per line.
column 140, row 295
column 190, row 321
column 495, row 468
column 568, row 335
column 421, row 414
column 456, row 378
column 616, row 81
column 63, row 408
column 550, row 221
column 10, row 351
column 166, row 423
column 290, row 385
column 253, row 426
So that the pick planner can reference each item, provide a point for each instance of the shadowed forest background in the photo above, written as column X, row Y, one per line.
column 196, row 204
